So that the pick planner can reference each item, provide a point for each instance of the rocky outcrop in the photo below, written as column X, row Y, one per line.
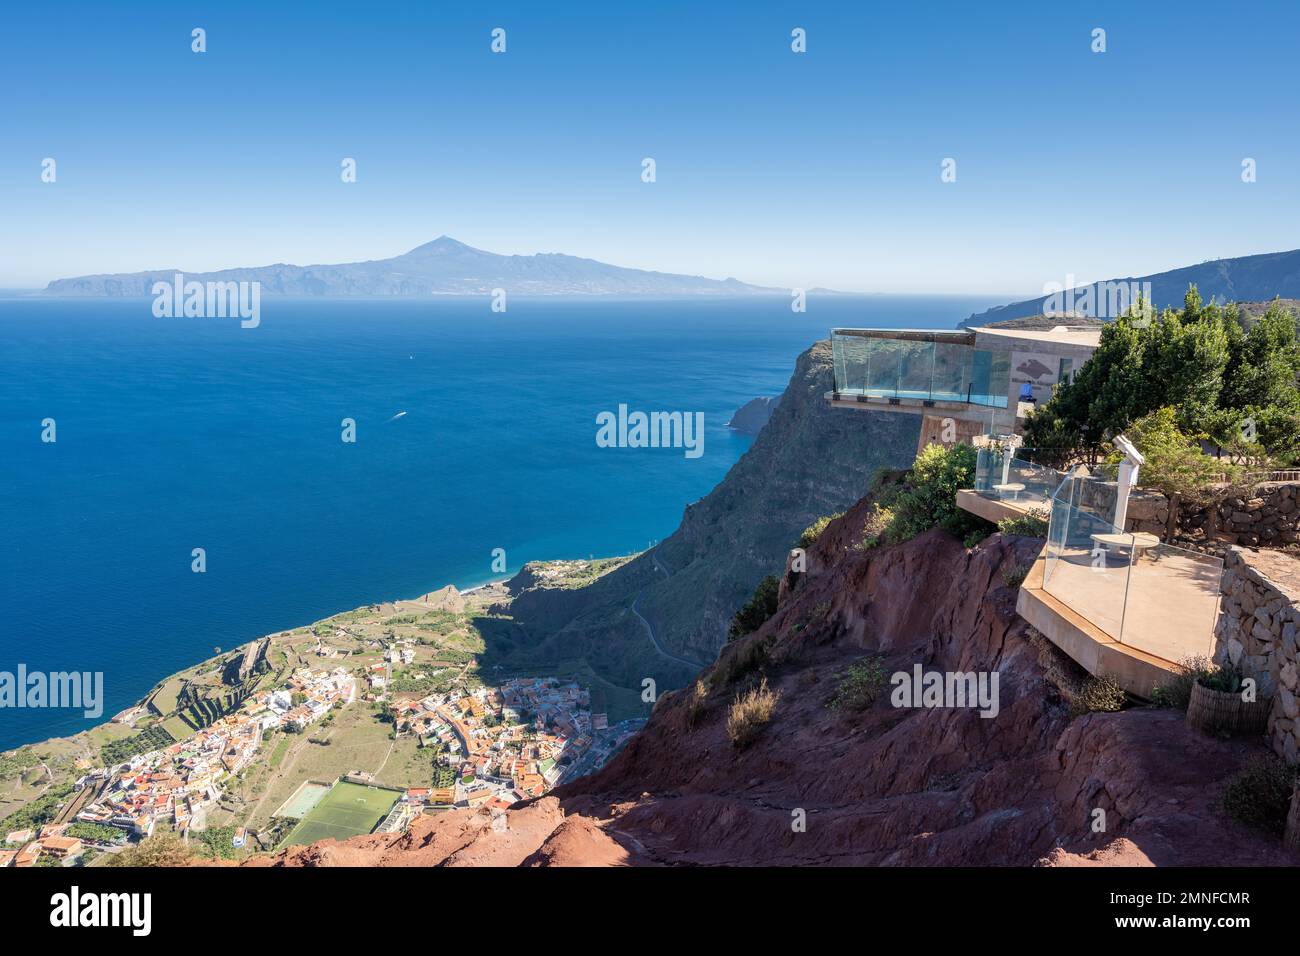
column 882, row 784
column 753, row 415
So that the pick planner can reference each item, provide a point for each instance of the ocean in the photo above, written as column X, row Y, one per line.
column 474, row 431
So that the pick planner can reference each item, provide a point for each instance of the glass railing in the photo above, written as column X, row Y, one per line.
column 999, row 474
column 920, row 366
column 1155, row 597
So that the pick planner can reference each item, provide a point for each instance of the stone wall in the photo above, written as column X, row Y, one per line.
column 1258, row 632
column 1270, row 518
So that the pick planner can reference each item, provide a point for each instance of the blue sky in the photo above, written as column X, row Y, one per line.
column 777, row 168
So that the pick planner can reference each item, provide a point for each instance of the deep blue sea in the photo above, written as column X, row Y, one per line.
column 175, row 434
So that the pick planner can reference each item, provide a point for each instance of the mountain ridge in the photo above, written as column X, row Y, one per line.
column 443, row 266
column 1254, row 278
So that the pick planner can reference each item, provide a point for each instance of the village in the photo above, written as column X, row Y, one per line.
column 490, row 746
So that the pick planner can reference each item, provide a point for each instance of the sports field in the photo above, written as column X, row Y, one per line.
column 303, row 799
column 348, row 810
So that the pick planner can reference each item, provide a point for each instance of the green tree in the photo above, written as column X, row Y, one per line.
column 1175, row 463
column 756, row 610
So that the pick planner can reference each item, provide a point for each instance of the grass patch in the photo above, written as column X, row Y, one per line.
column 163, row 849
column 348, row 810
column 750, row 712
column 698, row 695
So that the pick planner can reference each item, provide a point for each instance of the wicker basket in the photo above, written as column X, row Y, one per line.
column 1220, row 712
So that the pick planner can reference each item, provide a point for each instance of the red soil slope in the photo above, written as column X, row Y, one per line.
column 884, row 785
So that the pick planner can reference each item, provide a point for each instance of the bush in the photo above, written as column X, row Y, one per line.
column 1177, row 691
column 1097, row 695
column 1261, row 795
column 750, row 712
column 1031, row 525
column 814, row 530
column 860, row 685
column 930, row 498
column 756, row 610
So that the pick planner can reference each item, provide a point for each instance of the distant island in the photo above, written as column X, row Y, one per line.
column 441, row 267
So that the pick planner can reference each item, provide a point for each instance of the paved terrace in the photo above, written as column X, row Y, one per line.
column 1172, row 600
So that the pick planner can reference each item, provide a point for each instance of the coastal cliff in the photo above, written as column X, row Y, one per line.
column 874, row 784
column 665, row 613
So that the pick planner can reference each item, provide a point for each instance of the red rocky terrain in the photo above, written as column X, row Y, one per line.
column 882, row 785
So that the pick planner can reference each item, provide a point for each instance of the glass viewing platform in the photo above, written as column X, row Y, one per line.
column 1133, row 587
column 921, row 365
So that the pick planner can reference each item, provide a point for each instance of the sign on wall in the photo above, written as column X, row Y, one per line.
column 1038, row 370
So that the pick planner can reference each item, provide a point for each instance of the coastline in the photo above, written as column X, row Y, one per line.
column 163, row 680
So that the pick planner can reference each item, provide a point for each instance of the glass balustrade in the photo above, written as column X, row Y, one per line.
column 923, row 367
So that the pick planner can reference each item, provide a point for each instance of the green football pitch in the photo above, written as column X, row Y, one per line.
column 348, row 810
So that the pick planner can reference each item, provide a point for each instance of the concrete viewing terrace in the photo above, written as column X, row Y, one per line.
column 1164, row 605
column 1101, row 655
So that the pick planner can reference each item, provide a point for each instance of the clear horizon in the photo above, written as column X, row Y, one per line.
column 815, row 169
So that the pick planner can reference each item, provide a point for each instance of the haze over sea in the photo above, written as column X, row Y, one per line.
column 175, row 434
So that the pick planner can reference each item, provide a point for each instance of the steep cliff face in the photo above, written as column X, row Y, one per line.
column 809, row 460
column 883, row 784
column 664, row 614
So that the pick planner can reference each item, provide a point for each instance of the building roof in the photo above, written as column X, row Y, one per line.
column 1087, row 336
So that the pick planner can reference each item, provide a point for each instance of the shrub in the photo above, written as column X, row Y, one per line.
column 1031, row 525
column 860, row 685
column 750, row 712
column 756, row 610
column 1097, row 695
column 1177, row 691
column 814, row 530
column 930, row 498
column 1260, row 796
column 1224, row 678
